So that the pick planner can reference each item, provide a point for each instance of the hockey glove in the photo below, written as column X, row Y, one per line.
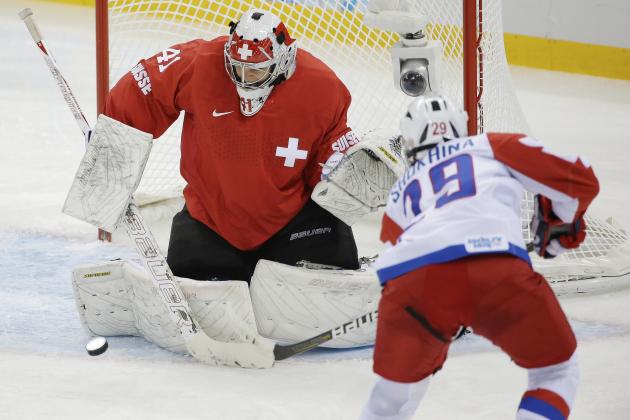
column 358, row 182
column 552, row 236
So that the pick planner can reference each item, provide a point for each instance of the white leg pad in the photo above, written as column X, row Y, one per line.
column 103, row 299
column 295, row 303
column 118, row 298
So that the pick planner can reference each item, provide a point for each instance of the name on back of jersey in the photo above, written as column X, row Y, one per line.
column 436, row 154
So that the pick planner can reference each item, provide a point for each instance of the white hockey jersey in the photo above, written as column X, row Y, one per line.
column 463, row 198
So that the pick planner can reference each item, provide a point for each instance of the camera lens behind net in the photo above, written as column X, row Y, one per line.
column 413, row 77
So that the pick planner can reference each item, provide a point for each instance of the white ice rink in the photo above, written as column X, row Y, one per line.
column 46, row 374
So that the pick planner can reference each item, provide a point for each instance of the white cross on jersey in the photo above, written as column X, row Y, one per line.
column 245, row 52
column 291, row 152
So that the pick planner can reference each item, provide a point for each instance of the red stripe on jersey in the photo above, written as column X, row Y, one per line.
column 390, row 231
column 575, row 179
column 550, row 398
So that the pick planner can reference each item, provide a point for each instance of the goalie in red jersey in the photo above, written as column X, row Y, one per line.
column 261, row 119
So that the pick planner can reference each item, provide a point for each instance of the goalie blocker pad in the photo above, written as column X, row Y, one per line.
column 360, row 183
column 292, row 303
column 118, row 298
column 108, row 174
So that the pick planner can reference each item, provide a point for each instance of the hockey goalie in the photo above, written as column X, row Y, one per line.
column 275, row 179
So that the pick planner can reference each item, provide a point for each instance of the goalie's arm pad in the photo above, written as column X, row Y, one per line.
column 360, row 182
column 108, row 174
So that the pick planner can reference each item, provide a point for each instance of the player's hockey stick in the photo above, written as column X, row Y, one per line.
column 198, row 343
column 283, row 352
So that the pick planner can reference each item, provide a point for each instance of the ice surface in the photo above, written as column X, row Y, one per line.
column 45, row 371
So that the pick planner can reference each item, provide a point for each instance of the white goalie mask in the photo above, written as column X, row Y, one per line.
column 259, row 54
column 429, row 121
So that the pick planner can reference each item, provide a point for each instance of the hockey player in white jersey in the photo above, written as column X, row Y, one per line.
column 457, row 258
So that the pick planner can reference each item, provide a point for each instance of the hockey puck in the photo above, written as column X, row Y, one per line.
column 96, row 346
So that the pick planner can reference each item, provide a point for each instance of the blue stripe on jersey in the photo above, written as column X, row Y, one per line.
column 447, row 254
column 542, row 408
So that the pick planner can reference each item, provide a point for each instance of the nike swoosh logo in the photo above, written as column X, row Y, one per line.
column 219, row 114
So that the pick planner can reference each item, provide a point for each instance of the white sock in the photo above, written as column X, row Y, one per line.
column 391, row 400
column 550, row 391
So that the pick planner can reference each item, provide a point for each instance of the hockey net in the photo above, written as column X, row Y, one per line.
column 332, row 30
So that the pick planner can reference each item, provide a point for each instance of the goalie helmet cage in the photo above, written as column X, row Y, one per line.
column 473, row 72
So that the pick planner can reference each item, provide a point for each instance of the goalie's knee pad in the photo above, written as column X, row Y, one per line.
column 292, row 303
column 391, row 400
column 119, row 298
column 550, row 391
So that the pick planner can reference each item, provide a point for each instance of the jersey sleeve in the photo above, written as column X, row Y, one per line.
column 146, row 97
column 394, row 220
column 337, row 138
column 568, row 181
column 390, row 230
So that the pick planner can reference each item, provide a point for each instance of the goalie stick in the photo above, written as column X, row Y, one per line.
column 68, row 96
column 27, row 16
column 197, row 342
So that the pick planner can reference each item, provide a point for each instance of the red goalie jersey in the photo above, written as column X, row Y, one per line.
column 247, row 177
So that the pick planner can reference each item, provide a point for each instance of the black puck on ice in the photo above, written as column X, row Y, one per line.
column 96, row 346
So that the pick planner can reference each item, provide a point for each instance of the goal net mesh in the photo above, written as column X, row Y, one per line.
column 332, row 30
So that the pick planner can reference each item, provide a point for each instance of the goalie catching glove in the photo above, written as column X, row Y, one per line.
column 359, row 182
column 552, row 236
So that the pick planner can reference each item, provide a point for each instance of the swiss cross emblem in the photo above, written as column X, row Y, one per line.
column 245, row 52
column 291, row 153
